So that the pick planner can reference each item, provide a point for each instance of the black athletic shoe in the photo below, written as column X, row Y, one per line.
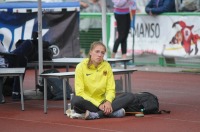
column 3, row 100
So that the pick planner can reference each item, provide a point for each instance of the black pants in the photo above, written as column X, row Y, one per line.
column 123, row 26
column 80, row 105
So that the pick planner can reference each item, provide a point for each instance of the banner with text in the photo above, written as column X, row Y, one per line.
column 170, row 36
column 60, row 29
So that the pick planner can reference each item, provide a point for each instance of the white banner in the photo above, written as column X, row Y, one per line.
column 172, row 36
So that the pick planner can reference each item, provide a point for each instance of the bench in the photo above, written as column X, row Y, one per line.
column 68, row 62
column 66, row 75
column 11, row 72
column 73, row 61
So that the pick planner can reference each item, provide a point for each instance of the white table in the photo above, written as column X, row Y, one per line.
column 15, row 72
column 74, row 61
column 66, row 75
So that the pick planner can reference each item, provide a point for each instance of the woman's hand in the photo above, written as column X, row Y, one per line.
column 106, row 107
column 84, row 5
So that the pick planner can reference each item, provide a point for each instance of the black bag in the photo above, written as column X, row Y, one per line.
column 55, row 87
column 119, row 85
column 145, row 102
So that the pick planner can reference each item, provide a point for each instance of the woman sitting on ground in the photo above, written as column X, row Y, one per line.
column 95, row 87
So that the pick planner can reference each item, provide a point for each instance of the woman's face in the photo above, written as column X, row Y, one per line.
column 97, row 54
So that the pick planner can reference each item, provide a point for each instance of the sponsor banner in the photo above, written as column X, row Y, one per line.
column 60, row 29
column 170, row 36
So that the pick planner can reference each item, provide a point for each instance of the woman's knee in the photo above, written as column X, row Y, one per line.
column 122, row 37
column 76, row 100
column 130, row 96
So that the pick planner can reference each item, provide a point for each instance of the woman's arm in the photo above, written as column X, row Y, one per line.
column 168, row 6
column 110, row 88
column 148, row 7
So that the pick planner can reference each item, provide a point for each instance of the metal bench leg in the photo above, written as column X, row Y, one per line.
column 126, row 82
column 36, row 79
column 129, row 82
column 64, row 95
column 22, row 91
column 45, row 95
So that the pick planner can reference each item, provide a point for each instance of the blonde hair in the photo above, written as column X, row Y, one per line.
column 92, row 46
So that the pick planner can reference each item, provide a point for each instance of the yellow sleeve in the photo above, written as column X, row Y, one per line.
column 110, row 90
